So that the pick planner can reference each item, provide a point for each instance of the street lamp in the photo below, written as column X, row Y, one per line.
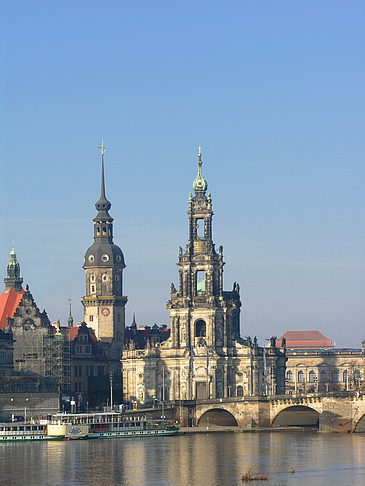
column 162, row 407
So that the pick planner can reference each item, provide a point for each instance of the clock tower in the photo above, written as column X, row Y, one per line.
column 104, row 303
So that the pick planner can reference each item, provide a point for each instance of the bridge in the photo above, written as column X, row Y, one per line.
column 328, row 412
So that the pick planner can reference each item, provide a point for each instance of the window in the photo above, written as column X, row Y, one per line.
column 93, row 289
column 301, row 376
column 92, row 278
column 200, row 328
column 357, row 375
column 323, row 376
column 78, row 370
column 105, row 277
column 200, row 282
column 2, row 356
column 89, row 371
column 100, row 370
column 289, row 376
column 344, row 376
column 91, row 318
column 335, row 376
column 87, row 349
column 312, row 377
column 200, row 228
column 240, row 391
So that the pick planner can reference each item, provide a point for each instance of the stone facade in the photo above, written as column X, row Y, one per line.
column 6, row 353
column 89, row 367
column 204, row 357
column 325, row 370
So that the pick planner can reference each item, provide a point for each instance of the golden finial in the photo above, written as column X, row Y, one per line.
column 102, row 147
column 199, row 152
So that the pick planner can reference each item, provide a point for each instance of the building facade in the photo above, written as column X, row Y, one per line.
column 204, row 357
column 314, row 370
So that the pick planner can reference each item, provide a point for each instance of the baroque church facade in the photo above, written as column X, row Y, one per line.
column 204, row 356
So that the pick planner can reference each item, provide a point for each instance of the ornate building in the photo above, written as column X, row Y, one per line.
column 36, row 350
column 104, row 303
column 204, row 357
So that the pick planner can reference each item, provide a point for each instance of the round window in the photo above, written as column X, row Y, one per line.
column 91, row 258
column 105, row 277
column 105, row 258
column 118, row 258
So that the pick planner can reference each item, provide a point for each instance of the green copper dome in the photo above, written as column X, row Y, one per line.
column 200, row 184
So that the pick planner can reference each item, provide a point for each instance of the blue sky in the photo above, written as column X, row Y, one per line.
column 274, row 94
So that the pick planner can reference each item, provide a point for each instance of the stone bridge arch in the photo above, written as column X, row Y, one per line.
column 216, row 414
column 301, row 412
column 297, row 416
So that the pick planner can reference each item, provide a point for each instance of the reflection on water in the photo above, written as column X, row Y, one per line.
column 200, row 459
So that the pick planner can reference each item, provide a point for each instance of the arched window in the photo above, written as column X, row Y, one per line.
column 357, row 375
column 312, row 376
column 301, row 376
column 289, row 375
column 240, row 391
column 200, row 328
column 344, row 376
column 323, row 376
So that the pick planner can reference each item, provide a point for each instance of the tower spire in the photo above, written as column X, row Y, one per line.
column 70, row 320
column 200, row 184
column 102, row 192
column 13, row 278
column 103, row 205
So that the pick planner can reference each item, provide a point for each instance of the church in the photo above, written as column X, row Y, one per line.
column 204, row 356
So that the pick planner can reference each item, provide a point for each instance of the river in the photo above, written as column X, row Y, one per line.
column 217, row 459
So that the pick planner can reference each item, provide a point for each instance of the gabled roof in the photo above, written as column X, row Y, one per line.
column 74, row 331
column 305, row 339
column 9, row 302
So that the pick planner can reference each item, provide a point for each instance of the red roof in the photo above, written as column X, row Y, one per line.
column 74, row 331
column 9, row 302
column 305, row 339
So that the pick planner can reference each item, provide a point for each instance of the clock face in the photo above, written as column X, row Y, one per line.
column 105, row 311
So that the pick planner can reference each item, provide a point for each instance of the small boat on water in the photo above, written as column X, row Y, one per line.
column 65, row 426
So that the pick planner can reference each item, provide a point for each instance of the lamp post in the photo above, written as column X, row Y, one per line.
column 162, row 407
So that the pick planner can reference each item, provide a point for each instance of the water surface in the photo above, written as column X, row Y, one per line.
column 199, row 459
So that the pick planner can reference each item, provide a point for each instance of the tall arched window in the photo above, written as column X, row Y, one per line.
column 300, row 376
column 323, row 376
column 289, row 375
column 344, row 376
column 240, row 391
column 200, row 328
column 312, row 376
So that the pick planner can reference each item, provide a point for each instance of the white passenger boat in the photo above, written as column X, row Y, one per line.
column 65, row 426
column 20, row 431
column 109, row 425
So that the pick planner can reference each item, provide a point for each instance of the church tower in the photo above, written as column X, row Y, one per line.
column 201, row 312
column 104, row 303
column 13, row 278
